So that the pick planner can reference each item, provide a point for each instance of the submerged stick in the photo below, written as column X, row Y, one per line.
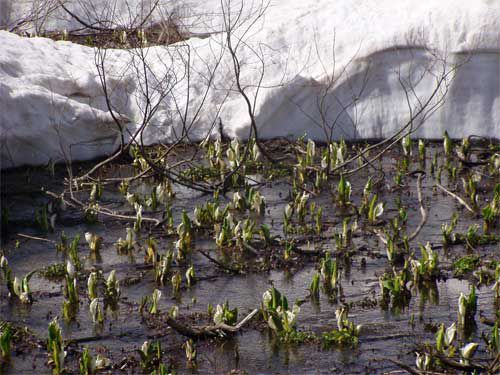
column 36, row 238
column 299, row 251
column 221, row 265
column 216, row 330
column 460, row 200
column 407, row 368
column 460, row 366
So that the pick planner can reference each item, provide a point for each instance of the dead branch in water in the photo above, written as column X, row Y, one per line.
column 217, row 330
column 459, row 200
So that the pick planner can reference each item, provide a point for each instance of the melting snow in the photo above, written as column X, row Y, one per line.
column 331, row 69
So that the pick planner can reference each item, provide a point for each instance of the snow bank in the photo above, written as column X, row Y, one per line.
column 52, row 107
column 332, row 69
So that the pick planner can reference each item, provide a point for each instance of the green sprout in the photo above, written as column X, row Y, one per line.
column 151, row 251
column 496, row 285
column 493, row 340
column 425, row 269
column 421, row 150
column 233, row 154
column 184, row 231
column 343, row 239
column 150, row 355
column 447, row 144
column 314, row 286
column 365, row 199
column 63, row 245
column 394, row 290
column 132, row 198
column 334, row 155
column 190, row 349
column 112, row 289
column 239, row 202
column 467, row 352
column 343, row 192
column 152, row 201
column 92, row 285
column 445, row 338
column 464, row 149
column 190, row 276
column 209, row 214
column 87, row 363
column 224, row 315
column 96, row 311
column 491, row 212
column 163, row 266
column 346, row 334
column 123, row 187
column 467, row 307
column 6, row 336
column 470, row 188
column 287, row 219
column 176, row 281
column 225, row 235
column 406, row 145
column 20, row 288
column 139, row 163
column 489, row 218
column 70, row 304
column 375, row 209
column 138, row 217
column 392, row 250
column 255, row 201
column 55, row 347
column 310, row 152
column 277, row 314
column 72, row 252
column 127, row 245
column 447, row 230
column 423, row 361
column 155, row 299
column 301, row 206
column 94, row 241
column 265, row 234
column 330, row 273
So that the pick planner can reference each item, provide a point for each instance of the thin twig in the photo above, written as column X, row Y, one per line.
column 460, row 200
column 405, row 367
column 36, row 238
column 221, row 265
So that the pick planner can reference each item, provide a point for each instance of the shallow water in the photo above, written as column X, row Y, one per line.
column 385, row 334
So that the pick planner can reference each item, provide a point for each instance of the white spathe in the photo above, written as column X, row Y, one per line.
column 332, row 69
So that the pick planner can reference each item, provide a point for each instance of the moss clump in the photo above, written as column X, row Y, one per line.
column 466, row 264
column 55, row 271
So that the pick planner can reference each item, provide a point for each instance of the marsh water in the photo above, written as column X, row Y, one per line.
column 386, row 334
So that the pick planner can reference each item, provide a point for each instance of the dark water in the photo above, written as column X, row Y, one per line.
column 385, row 335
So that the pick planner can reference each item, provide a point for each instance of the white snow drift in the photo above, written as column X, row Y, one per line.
column 331, row 69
